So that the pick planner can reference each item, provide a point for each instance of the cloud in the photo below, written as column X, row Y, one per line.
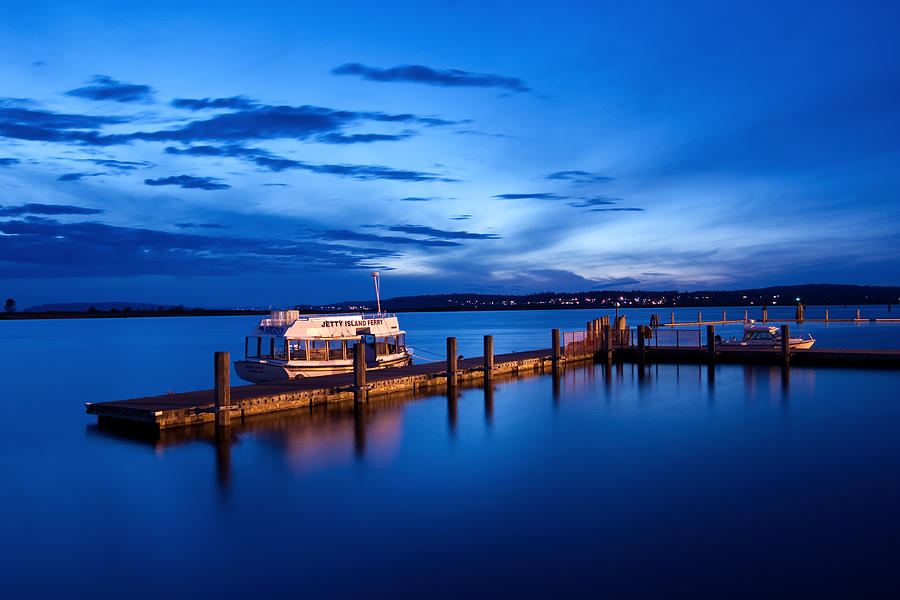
column 271, row 162
column 429, row 76
column 200, row 225
column 107, row 88
column 365, row 138
column 598, row 201
column 47, row 209
column 616, row 210
column 120, row 165
column 417, row 199
column 540, row 196
column 578, row 177
column 76, row 176
column 276, row 185
column 442, row 233
column 343, row 234
column 46, row 248
column 190, row 182
column 234, row 102
column 461, row 217
column 8, row 162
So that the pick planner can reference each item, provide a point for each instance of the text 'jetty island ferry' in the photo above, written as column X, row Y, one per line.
column 287, row 345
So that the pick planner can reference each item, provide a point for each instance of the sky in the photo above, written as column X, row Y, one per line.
column 274, row 153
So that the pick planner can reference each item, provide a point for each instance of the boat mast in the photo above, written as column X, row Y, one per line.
column 375, row 275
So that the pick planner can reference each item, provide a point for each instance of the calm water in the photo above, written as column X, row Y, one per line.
column 733, row 482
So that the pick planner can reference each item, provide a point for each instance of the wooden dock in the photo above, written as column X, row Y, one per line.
column 188, row 408
column 598, row 343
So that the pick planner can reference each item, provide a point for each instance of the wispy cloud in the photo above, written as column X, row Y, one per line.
column 344, row 234
column 443, row 233
column 598, row 201
column 190, row 182
column 461, row 217
column 104, row 87
column 417, row 199
column 538, row 196
column 8, row 162
column 578, row 177
column 46, row 209
column 200, row 226
column 429, row 76
column 234, row 102
column 76, row 176
column 271, row 162
column 361, row 138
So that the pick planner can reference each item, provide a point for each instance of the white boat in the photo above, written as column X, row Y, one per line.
column 287, row 345
column 763, row 335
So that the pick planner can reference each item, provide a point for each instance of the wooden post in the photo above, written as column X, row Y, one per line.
column 642, row 348
column 711, row 343
column 699, row 317
column 488, row 357
column 359, row 372
column 451, row 362
column 746, row 316
column 555, row 346
column 673, row 317
column 826, row 315
column 724, row 317
column 765, row 314
column 857, row 314
column 786, row 344
column 222, row 369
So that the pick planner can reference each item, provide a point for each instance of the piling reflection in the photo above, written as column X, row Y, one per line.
column 489, row 402
column 324, row 437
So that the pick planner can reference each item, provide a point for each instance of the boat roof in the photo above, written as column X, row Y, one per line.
column 752, row 325
column 290, row 323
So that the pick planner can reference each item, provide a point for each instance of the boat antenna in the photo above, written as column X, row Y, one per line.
column 375, row 276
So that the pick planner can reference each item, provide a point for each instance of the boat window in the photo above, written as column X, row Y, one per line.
column 392, row 345
column 348, row 353
column 381, row 347
column 297, row 349
column 267, row 347
column 279, row 348
column 335, row 350
column 251, row 347
column 318, row 350
column 401, row 340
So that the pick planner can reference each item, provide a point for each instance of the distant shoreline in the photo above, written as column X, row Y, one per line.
column 201, row 312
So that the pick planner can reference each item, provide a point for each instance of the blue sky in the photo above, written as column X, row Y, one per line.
column 274, row 153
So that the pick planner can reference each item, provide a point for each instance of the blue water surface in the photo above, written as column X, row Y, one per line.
column 669, row 481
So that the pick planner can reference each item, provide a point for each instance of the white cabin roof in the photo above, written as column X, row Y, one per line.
column 290, row 324
column 754, row 326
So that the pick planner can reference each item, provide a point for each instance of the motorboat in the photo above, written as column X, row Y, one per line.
column 288, row 345
column 763, row 335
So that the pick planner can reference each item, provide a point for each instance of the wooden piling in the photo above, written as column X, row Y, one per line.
column 724, row 318
column 857, row 314
column 673, row 317
column 360, row 394
column 786, row 344
column 699, row 317
column 555, row 346
column 765, row 314
column 711, row 343
column 222, row 370
column 826, row 315
column 451, row 362
column 746, row 316
column 488, row 356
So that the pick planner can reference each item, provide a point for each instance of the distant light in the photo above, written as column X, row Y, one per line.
column 798, row 299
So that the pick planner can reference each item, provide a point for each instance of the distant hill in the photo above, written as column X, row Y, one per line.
column 808, row 293
column 101, row 306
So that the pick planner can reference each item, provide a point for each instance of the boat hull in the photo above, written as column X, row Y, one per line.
column 263, row 371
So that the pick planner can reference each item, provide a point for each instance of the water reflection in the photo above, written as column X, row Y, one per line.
column 325, row 437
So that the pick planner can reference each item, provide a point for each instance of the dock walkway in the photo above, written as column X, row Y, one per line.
column 188, row 408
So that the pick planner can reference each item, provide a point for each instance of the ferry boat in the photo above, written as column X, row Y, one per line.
column 287, row 345
column 763, row 335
